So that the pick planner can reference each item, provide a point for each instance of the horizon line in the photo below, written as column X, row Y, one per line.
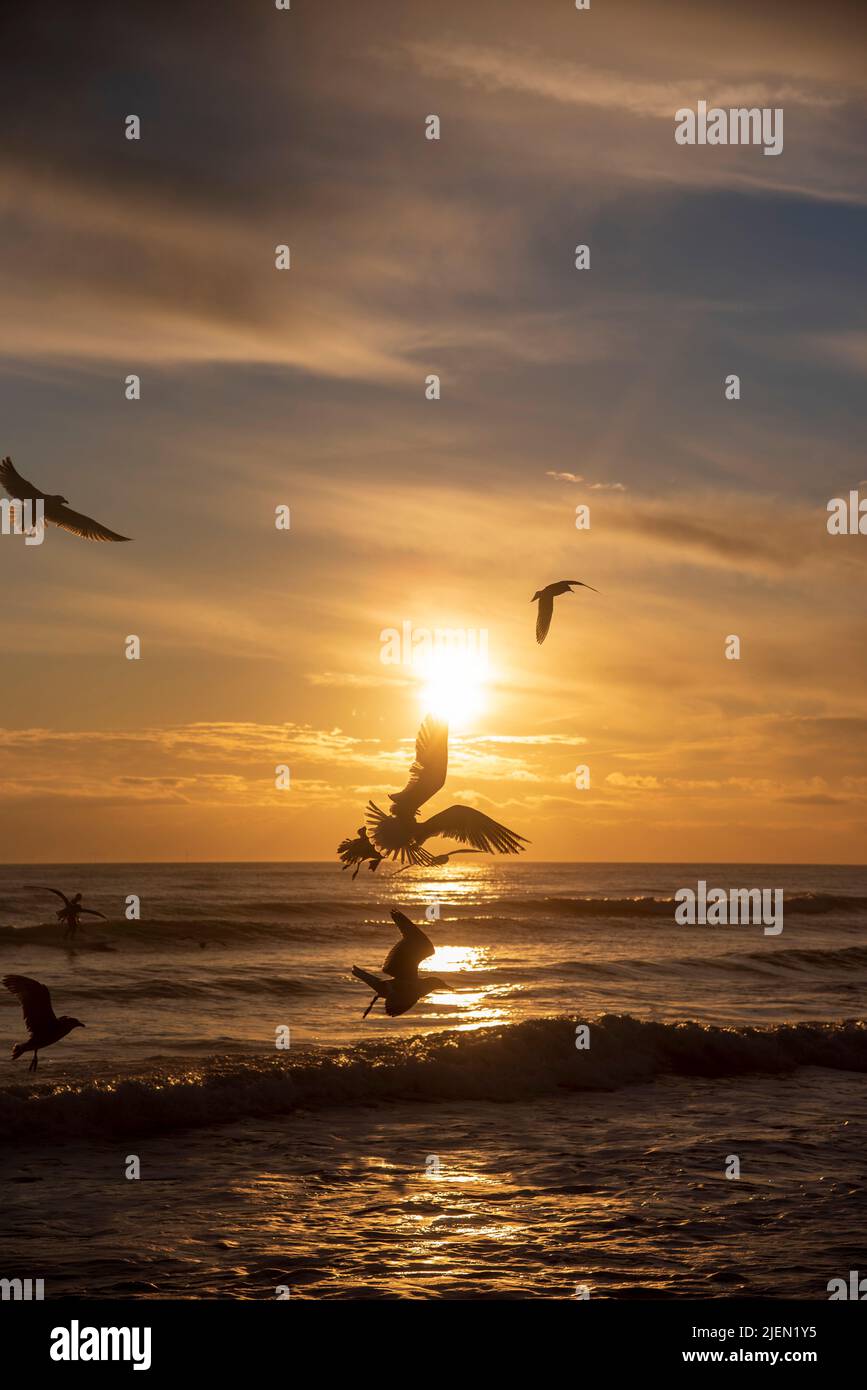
column 622, row 863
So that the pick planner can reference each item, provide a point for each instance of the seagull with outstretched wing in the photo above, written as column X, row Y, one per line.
column 40, row 1020
column 400, row 834
column 546, row 598
column 56, row 508
column 406, row 986
column 71, row 910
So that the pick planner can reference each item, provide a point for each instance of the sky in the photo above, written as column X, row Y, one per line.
column 559, row 388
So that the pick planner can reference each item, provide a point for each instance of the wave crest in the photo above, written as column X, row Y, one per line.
column 508, row 1063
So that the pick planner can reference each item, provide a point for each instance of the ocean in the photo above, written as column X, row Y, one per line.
column 708, row 1142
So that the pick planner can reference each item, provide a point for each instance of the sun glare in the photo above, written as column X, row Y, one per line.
column 453, row 685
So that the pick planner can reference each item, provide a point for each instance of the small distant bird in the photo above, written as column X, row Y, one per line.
column 56, row 508
column 406, row 986
column 40, row 1020
column 437, row 859
column 401, row 834
column 546, row 598
column 357, row 850
column 71, row 910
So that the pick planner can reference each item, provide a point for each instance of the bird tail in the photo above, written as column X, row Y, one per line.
column 393, row 837
column 372, row 981
column 386, row 832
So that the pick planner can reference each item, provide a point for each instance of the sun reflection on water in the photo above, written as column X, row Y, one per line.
column 448, row 958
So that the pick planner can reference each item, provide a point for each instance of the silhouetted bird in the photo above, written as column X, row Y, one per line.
column 71, row 910
column 40, row 1020
column 357, row 850
column 401, row 834
column 56, row 508
column 406, row 986
column 546, row 598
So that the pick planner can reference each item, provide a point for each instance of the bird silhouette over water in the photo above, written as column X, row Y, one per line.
column 406, row 986
column 357, row 851
column 56, row 508
column 546, row 598
column 400, row 834
column 71, row 910
column 40, row 1020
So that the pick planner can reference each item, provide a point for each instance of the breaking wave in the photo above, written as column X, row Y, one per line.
column 508, row 1063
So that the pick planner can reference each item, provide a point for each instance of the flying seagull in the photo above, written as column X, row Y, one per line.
column 400, row 834
column 357, row 850
column 546, row 598
column 71, row 910
column 437, row 859
column 56, row 508
column 406, row 986
column 40, row 1020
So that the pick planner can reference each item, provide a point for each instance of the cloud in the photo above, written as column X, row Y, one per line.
column 349, row 681
column 633, row 782
column 769, row 536
column 594, row 487
column 578, row 84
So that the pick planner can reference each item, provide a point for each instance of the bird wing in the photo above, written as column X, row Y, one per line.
column 80, row 525
column 40, row 888
column 428, row 772
column 92, row 912
column 13, row 482
column 472, row 827
column 544, row 616
column 35, row 1002
column 404, row 957
column 348, row 851
column 580, row 583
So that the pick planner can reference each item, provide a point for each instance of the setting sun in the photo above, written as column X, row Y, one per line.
column 454, row 685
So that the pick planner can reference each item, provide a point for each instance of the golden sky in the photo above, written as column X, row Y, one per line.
column 559, row 388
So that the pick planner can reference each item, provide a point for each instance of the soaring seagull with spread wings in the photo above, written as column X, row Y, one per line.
column 546, row 598
column 71, row 910
column 400, row 834
column 56, row 508
column 406, row 986
column 40, row 1020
